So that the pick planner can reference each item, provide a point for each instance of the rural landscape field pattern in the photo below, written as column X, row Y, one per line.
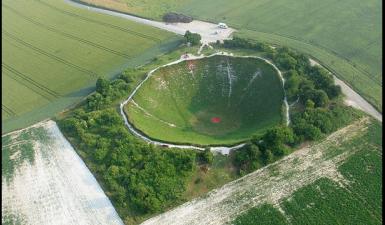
column 345, row 36
column 53, row 53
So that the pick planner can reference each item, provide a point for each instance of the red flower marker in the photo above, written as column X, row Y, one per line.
column 215, row 120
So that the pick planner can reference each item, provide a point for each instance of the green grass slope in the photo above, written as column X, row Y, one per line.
column 349, row 31
column 53, row 53
column 177, row 104
column 344, row 35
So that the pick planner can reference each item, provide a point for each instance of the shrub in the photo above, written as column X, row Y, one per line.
column 193, row 38
column 206, row 156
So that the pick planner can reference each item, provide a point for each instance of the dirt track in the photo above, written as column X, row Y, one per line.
column 209, row 31
column 352, row 98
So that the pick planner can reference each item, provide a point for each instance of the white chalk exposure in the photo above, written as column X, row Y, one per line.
column 57, row 188
column 221, row 149
column 269, row 185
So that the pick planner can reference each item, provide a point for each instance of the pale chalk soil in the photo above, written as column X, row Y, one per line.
column 57, row 188
column 271, row 184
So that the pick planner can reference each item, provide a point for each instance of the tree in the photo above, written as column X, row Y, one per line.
column 102, row 86
column 334, row 91
column 247, row 158
column 309, row 104
column 308, row 131
column 277, row 136
column 268, row 157
column 292, row 85
column 207, row 156
column 192, row 38
column 320, row 98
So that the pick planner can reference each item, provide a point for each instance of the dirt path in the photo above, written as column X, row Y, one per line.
column 210, row 32
column 353, row 98
column 270, row 184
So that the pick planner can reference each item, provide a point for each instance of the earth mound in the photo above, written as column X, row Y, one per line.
column 219, row 100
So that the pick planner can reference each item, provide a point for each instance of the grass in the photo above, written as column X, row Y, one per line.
column 53, row 53
column 356, row 201
column 345, row 36
column 177, row 106
column 207, row 178
column 153, row 9
column 265, row 214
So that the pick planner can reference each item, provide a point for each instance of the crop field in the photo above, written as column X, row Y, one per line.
column 44, row 181
column 153, row 9
column 53, row 53
column 345, row 35
column 334, row 181
column 357, row 201
column 215, row 100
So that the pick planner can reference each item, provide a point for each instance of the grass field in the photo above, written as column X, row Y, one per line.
column 180, row 103
column 345, row 35
column 44, row 181
column 356, row 200
column 53, row 53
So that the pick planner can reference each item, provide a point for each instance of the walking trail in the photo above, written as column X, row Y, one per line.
column 209, row 32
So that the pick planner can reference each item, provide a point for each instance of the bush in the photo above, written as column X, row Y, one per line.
column 192, row 38
column 102, row 86
column 247, row 158
column 206, row 156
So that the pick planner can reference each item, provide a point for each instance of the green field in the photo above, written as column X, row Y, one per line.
column 178, row 103
column 357, row 200
column 53, row 53
column 345, row 35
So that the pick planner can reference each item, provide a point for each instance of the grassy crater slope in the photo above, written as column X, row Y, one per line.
column 210, row 101
column 343, row 35
column 53, row 53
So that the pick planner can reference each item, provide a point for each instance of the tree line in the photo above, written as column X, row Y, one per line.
column 319, row 110
column 138, row 177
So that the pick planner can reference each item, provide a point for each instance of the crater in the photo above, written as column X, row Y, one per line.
column 217, row 100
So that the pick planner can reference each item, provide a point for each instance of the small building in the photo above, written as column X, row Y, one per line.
column 222, row 25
